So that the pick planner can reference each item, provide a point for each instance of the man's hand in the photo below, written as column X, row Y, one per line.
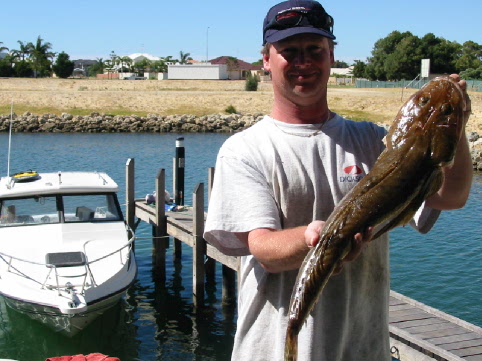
column 312, row 237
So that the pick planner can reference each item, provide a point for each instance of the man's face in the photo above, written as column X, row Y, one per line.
column 300, row 67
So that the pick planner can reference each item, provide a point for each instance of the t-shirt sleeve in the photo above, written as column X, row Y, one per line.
column 241, row 200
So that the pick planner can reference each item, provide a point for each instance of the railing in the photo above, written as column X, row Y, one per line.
column 9, row 258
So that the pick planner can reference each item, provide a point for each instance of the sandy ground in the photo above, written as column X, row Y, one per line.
column 197, row 97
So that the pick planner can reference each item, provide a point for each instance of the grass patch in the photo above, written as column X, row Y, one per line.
column 21, row 109
column 359, row 115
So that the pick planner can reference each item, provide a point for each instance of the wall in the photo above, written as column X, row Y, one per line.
column 204, row 72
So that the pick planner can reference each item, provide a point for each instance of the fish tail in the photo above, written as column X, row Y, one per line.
column 291, row 345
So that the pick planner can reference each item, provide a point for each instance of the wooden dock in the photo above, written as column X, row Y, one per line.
column 427, row 333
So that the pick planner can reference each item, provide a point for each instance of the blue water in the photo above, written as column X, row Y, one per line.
column 157, row 321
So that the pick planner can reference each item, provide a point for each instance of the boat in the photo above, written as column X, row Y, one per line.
column 66, row 253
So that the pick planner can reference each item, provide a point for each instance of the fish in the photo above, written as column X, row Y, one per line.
column 422, row 139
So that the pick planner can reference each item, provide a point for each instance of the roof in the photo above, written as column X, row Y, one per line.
column 235, row 63
column 342, row 71
column 60, row 182
column 139, row 56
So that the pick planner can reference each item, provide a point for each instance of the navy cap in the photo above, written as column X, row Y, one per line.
column 323, row 26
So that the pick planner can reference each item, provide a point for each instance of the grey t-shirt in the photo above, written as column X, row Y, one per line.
column 278, row 175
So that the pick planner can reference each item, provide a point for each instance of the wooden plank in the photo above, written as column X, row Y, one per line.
column 199, row 247
column 462, row 344
column 473, row 358
column 448, row 332
column 438, row 327
column 230, row 261
column 469, row 351
column 423, row 322
column 424, row 345
column 400, row 307
column 454, row 338
column 437, row 313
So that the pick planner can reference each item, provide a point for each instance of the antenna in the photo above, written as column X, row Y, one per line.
column 9, row 140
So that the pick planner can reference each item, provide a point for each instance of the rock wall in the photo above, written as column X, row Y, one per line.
column 103, row 123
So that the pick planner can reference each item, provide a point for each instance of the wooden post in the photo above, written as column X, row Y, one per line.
column 229, row 275
column 130, row 188
column 210, row 263
column 229, row 285
column 210, row 181
column 177, row 243
column 160, row 228
column 199, row 246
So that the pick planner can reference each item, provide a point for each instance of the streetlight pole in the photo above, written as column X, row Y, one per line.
column 207, row 44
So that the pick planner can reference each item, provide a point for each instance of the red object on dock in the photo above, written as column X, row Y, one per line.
column 90, row 357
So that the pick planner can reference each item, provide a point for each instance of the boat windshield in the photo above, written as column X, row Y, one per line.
column 59, row 209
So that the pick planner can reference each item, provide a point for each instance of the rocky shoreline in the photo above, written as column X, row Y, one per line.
column 104, row 123
column 152, row 123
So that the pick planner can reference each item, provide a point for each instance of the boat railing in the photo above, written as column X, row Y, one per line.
column 84, row 262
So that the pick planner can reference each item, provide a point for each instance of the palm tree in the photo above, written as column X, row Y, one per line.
column 40, row 54
column 184, row 57
column 2, row 48
column 23, row 51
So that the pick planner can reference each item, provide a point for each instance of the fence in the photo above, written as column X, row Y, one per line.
column 472, row 85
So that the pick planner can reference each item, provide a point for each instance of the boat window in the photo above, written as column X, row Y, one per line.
column 91, row 207
column 26, row 211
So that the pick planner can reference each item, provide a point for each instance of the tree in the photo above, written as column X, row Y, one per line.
column 340, row 64
column 6, row 69
column 96, row 68
column 359, row 69
column 142, row 66
column 63, row 66
column 472, row 74
column 184, row 58
column 23, row 69
column 470, row 56
column 2, row 48
column 159, row 66
column 404, row 61
column 381, row 50
column 23, row 51
column 39, row 54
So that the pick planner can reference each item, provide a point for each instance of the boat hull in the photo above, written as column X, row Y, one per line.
column 69, row 324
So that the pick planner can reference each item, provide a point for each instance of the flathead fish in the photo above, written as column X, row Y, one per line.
column 422, row 139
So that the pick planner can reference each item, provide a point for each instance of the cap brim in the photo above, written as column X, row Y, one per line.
column 274, row 35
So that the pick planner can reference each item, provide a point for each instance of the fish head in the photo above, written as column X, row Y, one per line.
column 435, row 113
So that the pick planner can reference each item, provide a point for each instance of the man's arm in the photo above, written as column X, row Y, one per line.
column 284, row 250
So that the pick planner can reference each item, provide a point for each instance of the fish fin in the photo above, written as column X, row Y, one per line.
column 291, row 345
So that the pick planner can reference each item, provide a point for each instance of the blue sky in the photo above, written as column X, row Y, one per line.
column 211, row 28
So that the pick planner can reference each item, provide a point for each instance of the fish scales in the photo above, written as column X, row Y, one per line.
column 422, row 139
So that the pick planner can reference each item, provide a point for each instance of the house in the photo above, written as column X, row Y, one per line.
column 200, row 71
column 237, row 68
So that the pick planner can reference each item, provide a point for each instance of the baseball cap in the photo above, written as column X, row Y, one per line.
column 293, row 17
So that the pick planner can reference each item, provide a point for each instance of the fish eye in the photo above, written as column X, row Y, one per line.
column 446, row 109
column 424, row 101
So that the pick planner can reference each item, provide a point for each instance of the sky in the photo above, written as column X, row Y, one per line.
column 210, row 28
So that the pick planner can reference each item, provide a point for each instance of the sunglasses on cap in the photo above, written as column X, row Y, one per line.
column 291, row 18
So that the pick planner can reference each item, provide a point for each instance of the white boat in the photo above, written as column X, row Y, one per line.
column 65, row 251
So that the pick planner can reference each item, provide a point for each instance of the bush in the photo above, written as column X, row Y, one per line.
column 63, row 67
column 251, row 83
column 230, row 110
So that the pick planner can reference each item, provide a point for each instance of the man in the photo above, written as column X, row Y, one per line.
column 277, row 181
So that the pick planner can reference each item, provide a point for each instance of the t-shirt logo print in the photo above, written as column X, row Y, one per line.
column 353, row 170
column 353, row 174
